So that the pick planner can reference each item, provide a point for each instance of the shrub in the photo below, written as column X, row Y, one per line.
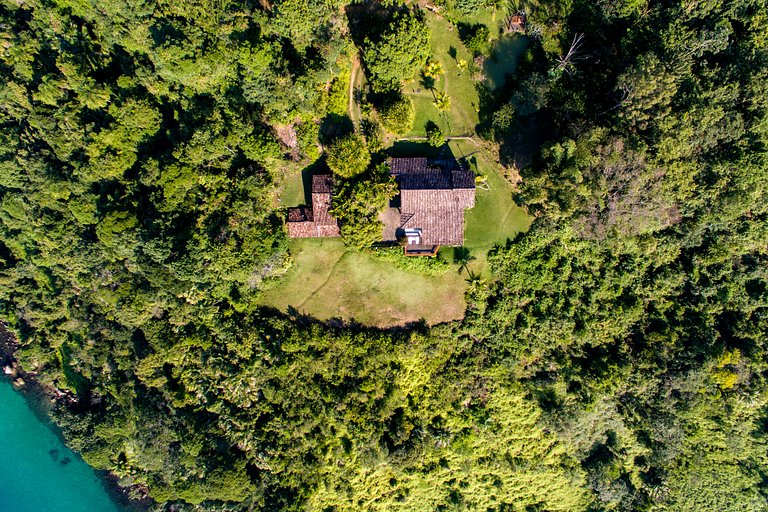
column 435, row 135
column 337, row 94
column 476, row 38
column 348, row 156
column 398, row 54
column 372, row 132
column 420, row 265
column 398, row 115
column 306, row 135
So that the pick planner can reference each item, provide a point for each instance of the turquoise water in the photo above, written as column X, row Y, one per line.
column 37, row 472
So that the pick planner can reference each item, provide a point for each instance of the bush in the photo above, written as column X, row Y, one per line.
column 398, row 54
column 476, row 38
column 337, row 94
column 307, row 134
column 435, row 135
column 420, row 265
column 397, row 115
column 348, row 156
column 459, row 8
column 372, row 132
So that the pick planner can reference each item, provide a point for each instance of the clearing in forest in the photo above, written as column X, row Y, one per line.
column 328, row 281
column 462, row 115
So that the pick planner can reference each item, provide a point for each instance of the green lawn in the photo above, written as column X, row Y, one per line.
column 495, row 217
column 328, row 281
column 293, row 189
column 462, row 116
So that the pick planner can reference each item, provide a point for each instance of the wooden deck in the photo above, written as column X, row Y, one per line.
column 420, row 250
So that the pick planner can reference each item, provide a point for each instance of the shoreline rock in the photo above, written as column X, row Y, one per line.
column 43, row 399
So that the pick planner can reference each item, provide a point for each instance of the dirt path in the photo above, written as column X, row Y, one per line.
column 322, row 285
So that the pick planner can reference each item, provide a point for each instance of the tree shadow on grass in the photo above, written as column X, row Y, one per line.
column 316, row 167
column 411, row 148
column 462, row 256
column 334, row 126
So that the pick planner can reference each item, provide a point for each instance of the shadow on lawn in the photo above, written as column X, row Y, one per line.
column 305, row 320
column 414, row 148
column 334, row 126
column 316, row 167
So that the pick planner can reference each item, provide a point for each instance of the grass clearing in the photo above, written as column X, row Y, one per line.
column 293, row 189
column 462, row 116
column 495, row 218
column 329, row 281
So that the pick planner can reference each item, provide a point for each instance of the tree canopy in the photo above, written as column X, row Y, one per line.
column 397, row 114
column 400, row 51
column 348, row 156
column 611, row 358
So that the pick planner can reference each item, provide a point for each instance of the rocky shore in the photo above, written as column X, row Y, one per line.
column 43, row 399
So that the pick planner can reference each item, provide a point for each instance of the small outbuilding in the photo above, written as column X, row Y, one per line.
column 314, row 221
column 516, row 23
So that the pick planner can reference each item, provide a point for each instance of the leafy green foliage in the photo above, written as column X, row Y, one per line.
column 399, row 53
column 433, row 69
column 632, row 211
column 397, row 114
column 442, row 101
column 476, row 38
column 435, row 136
column 348, row 156
column 429, row 266
column 614, row 358
column 357, row 204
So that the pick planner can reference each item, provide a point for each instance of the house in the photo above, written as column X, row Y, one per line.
column 516, row 23
column 433, row 195
column 314, row 221
column 427, row 212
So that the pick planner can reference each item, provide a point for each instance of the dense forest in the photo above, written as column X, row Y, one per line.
column 617, row 359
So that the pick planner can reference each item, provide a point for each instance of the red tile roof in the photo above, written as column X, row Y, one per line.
column 322, row 183
column 315, row 221
column 433, row 197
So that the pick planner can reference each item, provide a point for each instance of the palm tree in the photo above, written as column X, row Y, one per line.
column 475, row 282
column 433, row 69
column 462, row 257
column 442, row 101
